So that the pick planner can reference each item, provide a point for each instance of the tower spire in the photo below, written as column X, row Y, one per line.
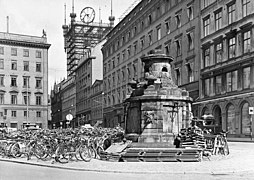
column 64, row 13
column 111, row 17
column 73, row 15
column 72, row 6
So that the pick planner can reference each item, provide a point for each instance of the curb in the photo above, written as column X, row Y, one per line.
column 126, row 172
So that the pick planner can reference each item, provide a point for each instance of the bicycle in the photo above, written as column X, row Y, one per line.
column 221, row 144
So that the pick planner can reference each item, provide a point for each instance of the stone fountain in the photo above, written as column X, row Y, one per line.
column 157, row 109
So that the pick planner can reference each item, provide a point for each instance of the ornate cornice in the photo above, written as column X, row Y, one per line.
column 24, row 43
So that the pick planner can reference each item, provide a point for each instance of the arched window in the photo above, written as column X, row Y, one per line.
column 204, row 111
column 164, row 69
column 245, row 119
column 231, row 124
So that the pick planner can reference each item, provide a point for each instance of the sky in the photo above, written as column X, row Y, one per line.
column 30, row 17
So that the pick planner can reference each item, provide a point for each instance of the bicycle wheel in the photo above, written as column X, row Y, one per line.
column 15, row 150
column 60, row 154
column 85, row 153
column 40, row 152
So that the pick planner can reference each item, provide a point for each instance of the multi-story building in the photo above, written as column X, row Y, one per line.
column 97, row 102
column 87, row 72
column 23, row 80
column 68, row 99
column 227, row 66
column 56, row 105
column 172, row 27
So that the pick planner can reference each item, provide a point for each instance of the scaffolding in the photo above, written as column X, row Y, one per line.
column 79, row 38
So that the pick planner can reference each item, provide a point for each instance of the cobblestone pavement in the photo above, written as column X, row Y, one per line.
column 239, row 161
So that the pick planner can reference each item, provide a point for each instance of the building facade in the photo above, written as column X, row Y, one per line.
column 56, row 105
column 68, row 99
column 227, row 64
column 23, row 80
column 97, row 102
column 171, row 27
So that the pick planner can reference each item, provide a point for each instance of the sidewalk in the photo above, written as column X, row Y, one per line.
column 240, row 160
column 245, row 139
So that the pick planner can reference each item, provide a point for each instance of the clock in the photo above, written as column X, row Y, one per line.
column 87, row 15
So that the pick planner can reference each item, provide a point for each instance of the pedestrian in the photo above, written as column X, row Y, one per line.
column 177, row 141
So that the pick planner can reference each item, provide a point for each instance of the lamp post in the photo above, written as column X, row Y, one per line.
column 27, row 100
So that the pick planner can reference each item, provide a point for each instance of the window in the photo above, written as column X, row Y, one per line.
column 135, row 66
column 245, row 119
column 218, row 84
column 13, row 99
column 218, row 52
column 118, row 58
column 38, row 100
column 135, row 47
column 158, row 33
column 13, row 65
column 218, row 20
column 38, row 83
column 231, row 81
column 38, row 113
column 207, row 87
column 1, row 80
column 1, row 50
column 123, row 40
column 246, row 41
column 26, row 82
column 178, row 20
column 1, row 98
column 14, row 81
column 149, row 19
column 123, row 55
column 167, row 25
column 232, row 47
column 26, row 65
column 246, row 10
column 1, row 64
column 206, row 57
column 167, row 48
column 14, row 51
column 231, row 13
column 190, row 12
column 206, row 25
column 109, row 65
column 190, row 72
column 142, row 25
column 178, row 76
column 26, row 99
column 142, row 42
column 14, row 125
column 190, row 40
column 38, row 54
column 123, row 74
column 231, row 119
column 150, row 38
column 38, row 67
column 129, row 51
column 13, row 113
column 246, row 78
column 26, row 113
column 178, row 47
column 128, row 73
column 113, row 63
column 134, row 31
column 26, row 53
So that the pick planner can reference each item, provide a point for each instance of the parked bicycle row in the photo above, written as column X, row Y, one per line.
column 61, row 145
